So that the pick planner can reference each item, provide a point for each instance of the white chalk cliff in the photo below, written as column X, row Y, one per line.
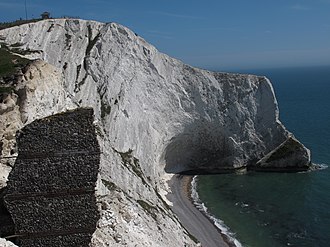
column 150, row 108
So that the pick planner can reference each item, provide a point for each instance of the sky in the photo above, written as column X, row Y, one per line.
column 210, row 34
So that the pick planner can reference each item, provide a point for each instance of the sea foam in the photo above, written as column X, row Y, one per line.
column 322, row 166
column 217, row 222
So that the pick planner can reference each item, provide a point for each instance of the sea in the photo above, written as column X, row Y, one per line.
column 280, row 209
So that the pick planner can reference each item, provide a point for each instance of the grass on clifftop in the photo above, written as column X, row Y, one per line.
column 4, row 25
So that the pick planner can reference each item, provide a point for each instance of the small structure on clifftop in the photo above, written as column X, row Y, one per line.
column 45, row 15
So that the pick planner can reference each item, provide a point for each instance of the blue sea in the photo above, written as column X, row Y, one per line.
column 282, row 209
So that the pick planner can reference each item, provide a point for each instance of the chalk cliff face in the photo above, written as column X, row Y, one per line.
column 153, row 114
column 5, row 243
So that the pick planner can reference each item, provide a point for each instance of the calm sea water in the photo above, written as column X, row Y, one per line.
column 270, row 209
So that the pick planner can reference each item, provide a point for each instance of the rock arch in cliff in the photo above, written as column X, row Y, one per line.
column 201, row 145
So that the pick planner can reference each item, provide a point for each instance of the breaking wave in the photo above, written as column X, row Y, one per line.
column 322, row 166
column 217, row 222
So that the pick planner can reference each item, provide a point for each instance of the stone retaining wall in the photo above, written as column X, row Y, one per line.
column 51, row 189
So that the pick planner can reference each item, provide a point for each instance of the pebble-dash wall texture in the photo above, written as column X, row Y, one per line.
column 51, row 189
column 6, row 222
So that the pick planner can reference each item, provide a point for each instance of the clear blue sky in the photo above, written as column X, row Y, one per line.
column 213, row 34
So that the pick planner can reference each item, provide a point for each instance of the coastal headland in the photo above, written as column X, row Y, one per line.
column 152, row 114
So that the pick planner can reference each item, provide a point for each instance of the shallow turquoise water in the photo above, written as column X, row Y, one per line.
column 272, row 209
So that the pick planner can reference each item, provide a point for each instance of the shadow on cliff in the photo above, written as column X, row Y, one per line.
column 201, row 148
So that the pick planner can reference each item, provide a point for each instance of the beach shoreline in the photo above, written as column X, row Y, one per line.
column 225, row 237
column 194, row 220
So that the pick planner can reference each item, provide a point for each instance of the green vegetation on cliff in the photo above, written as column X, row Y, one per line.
column 9, row 62
column 4, row 25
